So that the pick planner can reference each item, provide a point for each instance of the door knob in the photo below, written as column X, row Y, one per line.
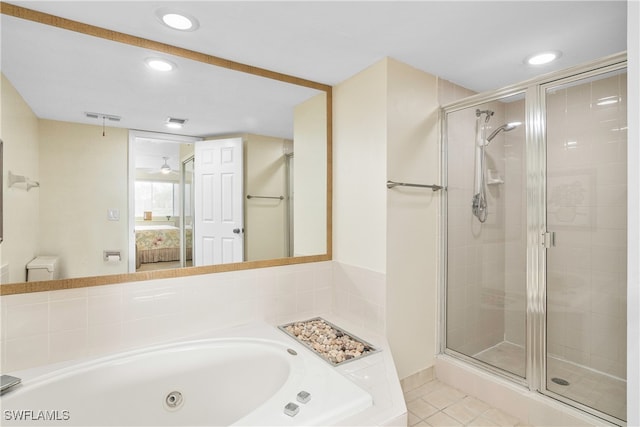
column 236, row 230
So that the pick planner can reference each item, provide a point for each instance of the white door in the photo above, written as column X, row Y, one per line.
column 218, row 228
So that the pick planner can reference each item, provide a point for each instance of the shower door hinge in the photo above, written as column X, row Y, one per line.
column 549, row 239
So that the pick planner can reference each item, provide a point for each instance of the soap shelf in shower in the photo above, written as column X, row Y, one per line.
column 494, row 177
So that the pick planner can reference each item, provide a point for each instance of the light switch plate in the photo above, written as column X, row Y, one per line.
column 113, row 214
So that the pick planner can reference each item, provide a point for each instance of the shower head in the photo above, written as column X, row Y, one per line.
column 488, row 113
column 506, row 127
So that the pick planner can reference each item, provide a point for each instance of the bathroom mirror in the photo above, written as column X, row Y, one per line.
column 80, row 210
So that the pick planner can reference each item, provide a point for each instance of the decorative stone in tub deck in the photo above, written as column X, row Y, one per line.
column 330, row 342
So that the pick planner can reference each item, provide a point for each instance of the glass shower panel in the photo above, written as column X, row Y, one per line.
column 586, row 195
column 486, row 233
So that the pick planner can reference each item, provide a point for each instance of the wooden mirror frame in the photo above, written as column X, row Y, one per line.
column 81, row 282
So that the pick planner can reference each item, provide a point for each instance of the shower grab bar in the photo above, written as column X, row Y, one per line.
column 434, row 187
column 265, row 197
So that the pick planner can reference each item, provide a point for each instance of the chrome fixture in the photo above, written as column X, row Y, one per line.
column 249, row 196
column 489, row 113
column 507, row 127
column 434, row 187
column 291, row 409
column 7, row 382
column 479, row 201
column 303, row 397
column 173, row 400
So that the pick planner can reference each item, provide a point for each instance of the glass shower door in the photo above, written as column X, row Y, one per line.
column 586, row 197
column 486, row 234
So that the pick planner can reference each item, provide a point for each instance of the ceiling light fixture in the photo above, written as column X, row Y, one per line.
column 543, row 57
column 177, row 20
column 159, row 64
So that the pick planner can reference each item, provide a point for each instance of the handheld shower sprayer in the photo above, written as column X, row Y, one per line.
column 506, row 128
column 479, row 205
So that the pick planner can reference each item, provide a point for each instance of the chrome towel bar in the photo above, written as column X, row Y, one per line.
column 391, row 184
column 265, row 197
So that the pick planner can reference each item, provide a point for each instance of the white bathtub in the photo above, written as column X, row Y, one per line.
column 242, row 380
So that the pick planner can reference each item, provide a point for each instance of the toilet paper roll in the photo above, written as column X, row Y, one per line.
column 112, row 259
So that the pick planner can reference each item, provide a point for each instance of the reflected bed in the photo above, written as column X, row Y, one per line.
column 160, row 243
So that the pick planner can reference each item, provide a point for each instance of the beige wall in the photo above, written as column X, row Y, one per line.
column 83, row 174
column 385, row 127
column 265, row 175
column 413, row 156
column 19, row 132
column 359, row 169
column 310, row 177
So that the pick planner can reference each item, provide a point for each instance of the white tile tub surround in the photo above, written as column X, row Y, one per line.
column 46, row 327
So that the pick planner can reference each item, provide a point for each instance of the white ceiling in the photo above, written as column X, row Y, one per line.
column 477, row 44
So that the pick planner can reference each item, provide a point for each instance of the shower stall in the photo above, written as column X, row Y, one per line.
column 534, row 219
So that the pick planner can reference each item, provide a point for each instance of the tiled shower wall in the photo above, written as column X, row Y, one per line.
column 587, row 193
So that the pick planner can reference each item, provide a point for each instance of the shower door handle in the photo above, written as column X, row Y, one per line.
column 549, row 239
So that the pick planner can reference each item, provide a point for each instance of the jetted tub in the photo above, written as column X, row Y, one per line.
column 247, row 379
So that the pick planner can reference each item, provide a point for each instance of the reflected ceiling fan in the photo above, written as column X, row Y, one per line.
column 165, row 169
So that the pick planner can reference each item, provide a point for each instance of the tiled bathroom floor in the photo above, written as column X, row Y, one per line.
column 600, row 391
column 437, row 404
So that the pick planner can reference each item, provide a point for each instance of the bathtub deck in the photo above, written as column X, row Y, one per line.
column 376, row 374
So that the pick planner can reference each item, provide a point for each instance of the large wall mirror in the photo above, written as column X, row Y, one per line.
column 114, row 193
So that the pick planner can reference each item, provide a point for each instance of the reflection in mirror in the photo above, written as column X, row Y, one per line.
column 77, row 111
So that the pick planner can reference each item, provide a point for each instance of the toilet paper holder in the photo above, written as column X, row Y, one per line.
column 110, row 256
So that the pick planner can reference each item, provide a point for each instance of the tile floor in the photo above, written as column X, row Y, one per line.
column 438, row 404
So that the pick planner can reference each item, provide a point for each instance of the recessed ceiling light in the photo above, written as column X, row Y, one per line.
column 160, row 64
column 542, row 58
column 177, row 20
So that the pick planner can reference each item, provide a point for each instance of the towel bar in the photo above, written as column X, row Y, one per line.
column 391, row 184
column 265, row 197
